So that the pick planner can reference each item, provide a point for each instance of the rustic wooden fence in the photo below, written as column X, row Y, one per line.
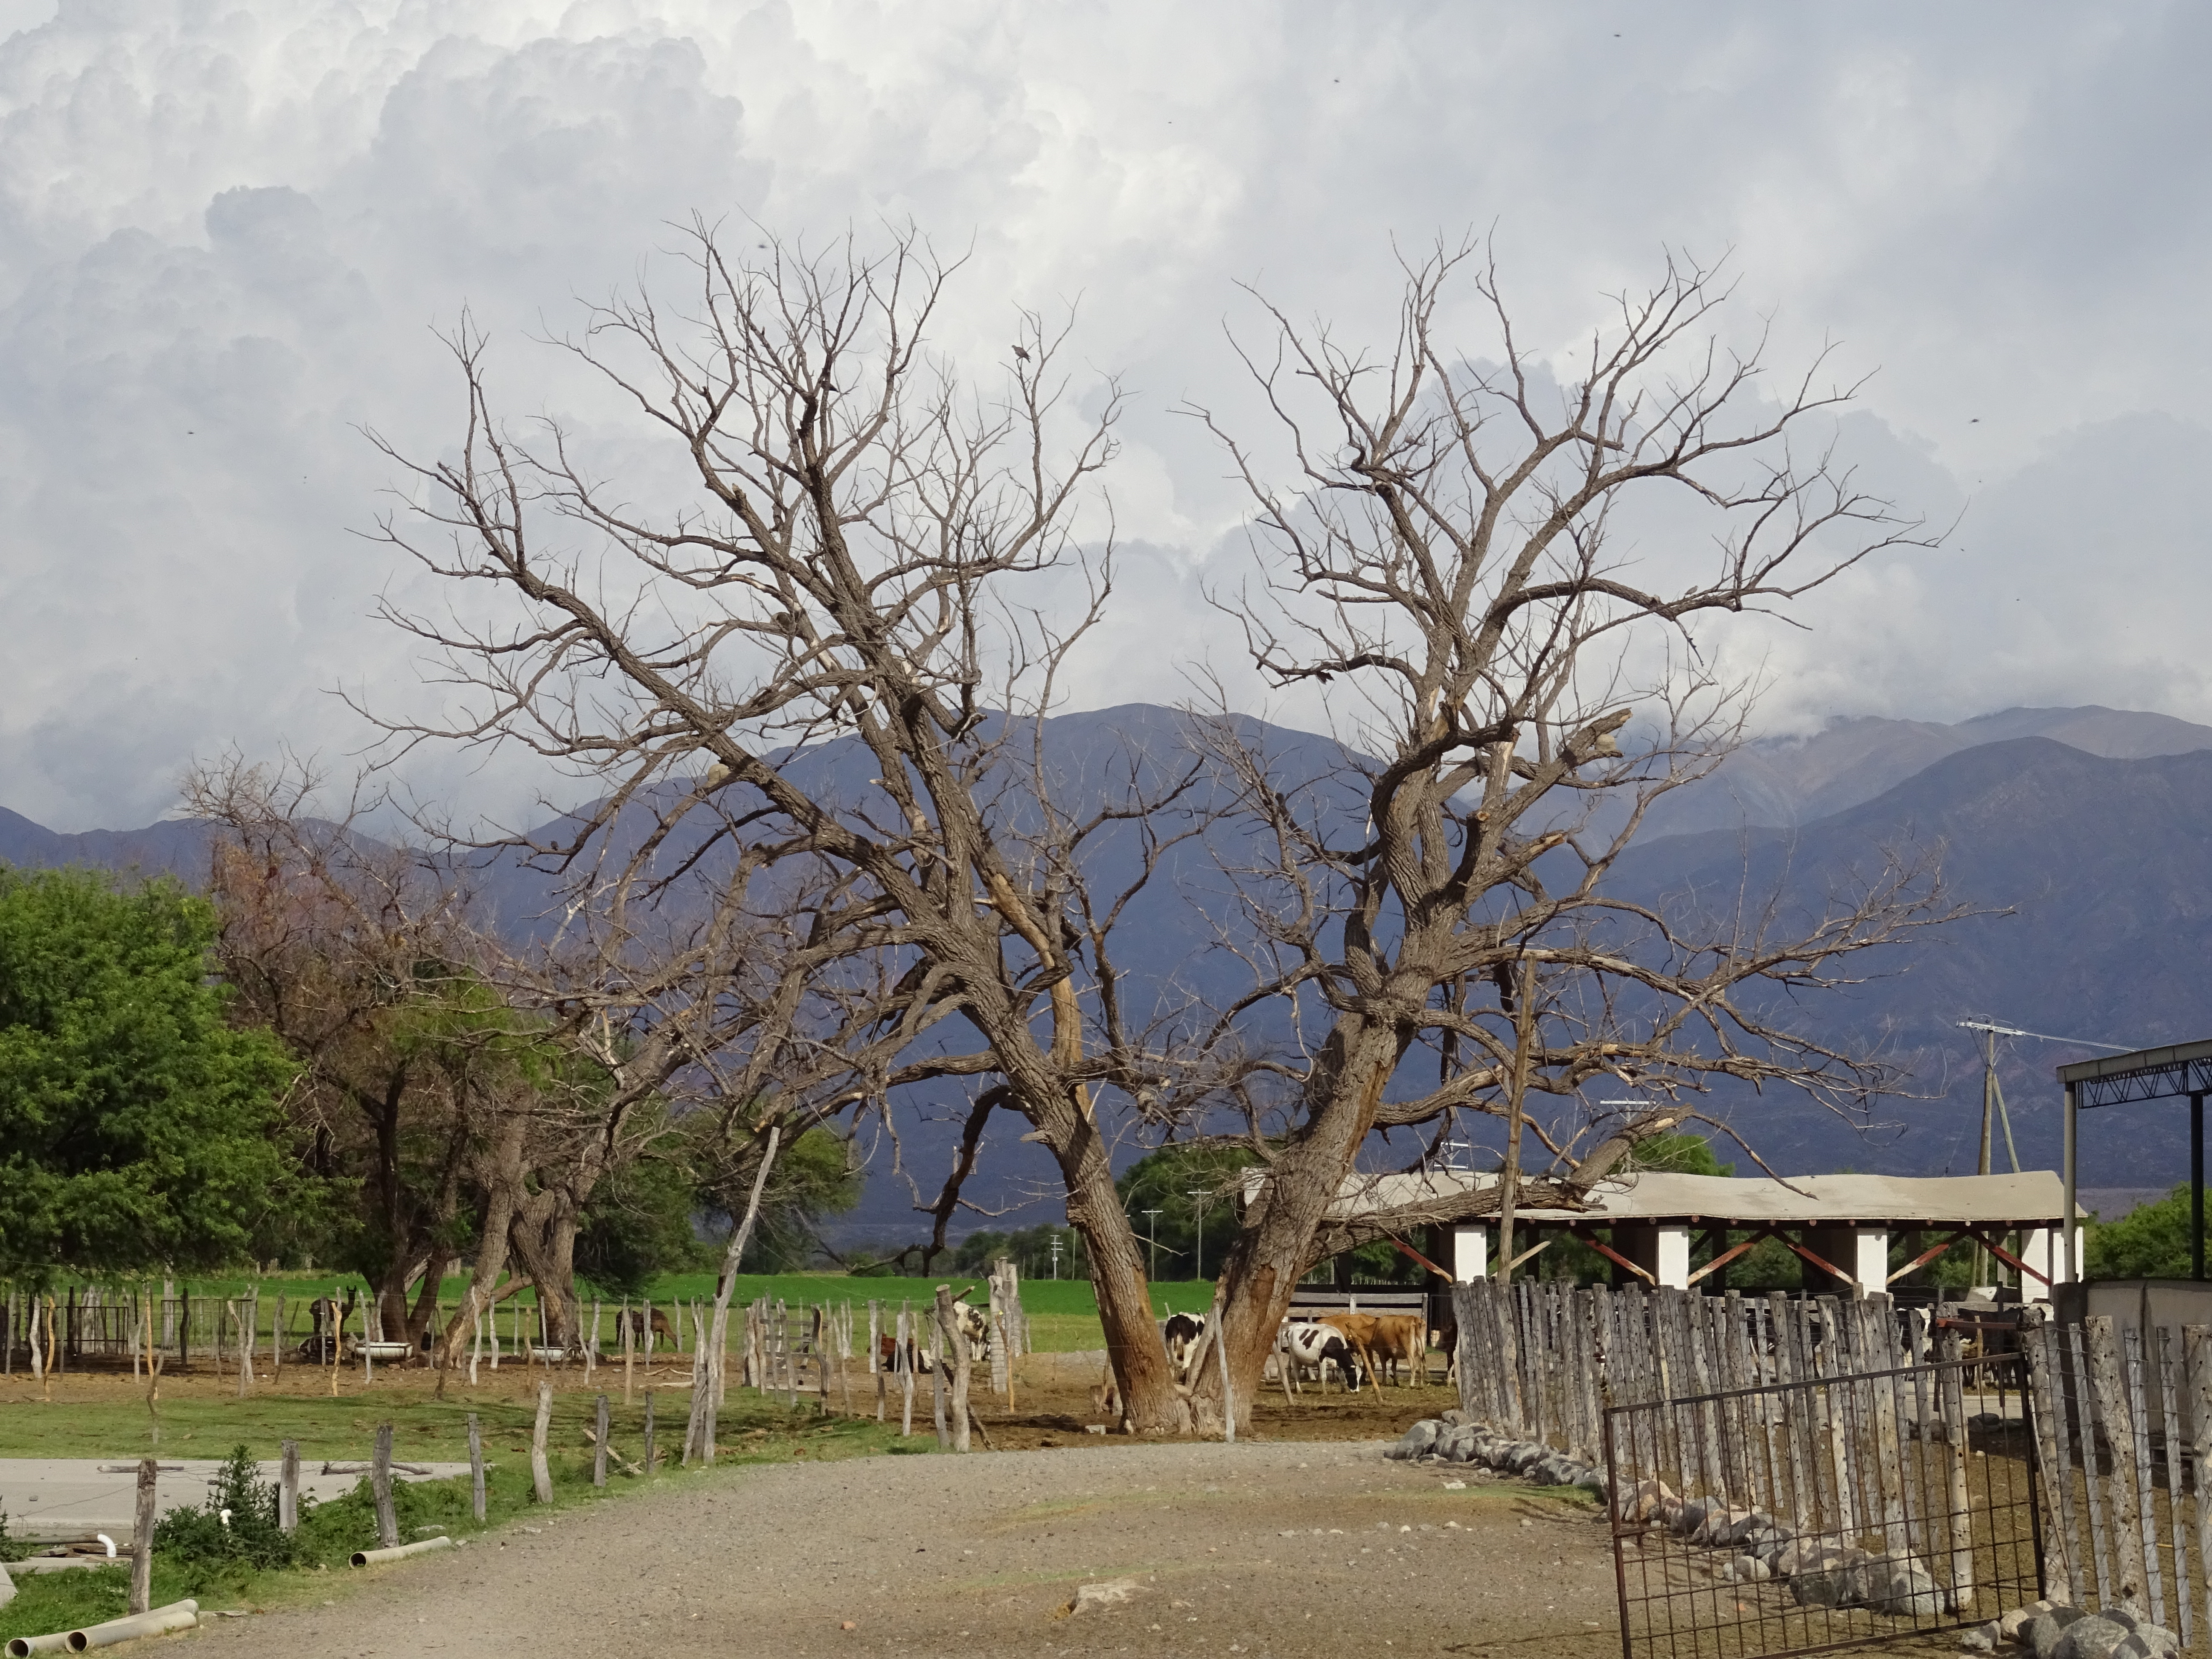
column 2125, row 1425
column 1544, row 1361
column 2117, row 1421
column 790, row 1350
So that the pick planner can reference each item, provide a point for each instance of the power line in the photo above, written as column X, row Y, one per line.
column 2042, row 1036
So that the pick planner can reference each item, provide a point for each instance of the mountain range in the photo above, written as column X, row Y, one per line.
column 2081, row 837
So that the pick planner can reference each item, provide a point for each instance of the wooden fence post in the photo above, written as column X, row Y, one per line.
column 476, row 1468
column 379, row 1480
column 2197, row 1358
column 541, row 1471
column 142, row 1536
column 905, row 1363
column 2170, row 1417
column 937, row 1383
column 2119, row 1435
column 2047, row 1400
column 599, row 1445
column 288, row 1487
column 2092, row 1477
column 955, row 1341
column 2146, row 1483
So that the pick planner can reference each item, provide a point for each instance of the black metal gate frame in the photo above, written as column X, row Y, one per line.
column 1853, row 1457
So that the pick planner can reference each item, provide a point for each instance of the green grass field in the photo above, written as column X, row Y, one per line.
column 1063, row 1314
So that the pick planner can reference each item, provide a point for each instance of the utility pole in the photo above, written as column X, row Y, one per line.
column 1198, row 1202
column 1994, row 1110
column 1152, row 1239
column 1055, row 1255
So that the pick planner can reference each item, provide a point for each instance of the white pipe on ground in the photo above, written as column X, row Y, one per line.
column 399, row 1552
column 159, row 1621
column 178, row 1616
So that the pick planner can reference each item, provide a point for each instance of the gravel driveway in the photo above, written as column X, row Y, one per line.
column 1282, row 1548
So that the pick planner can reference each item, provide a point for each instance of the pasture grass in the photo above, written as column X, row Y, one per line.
column 105, row 1418
column 1063, row 1313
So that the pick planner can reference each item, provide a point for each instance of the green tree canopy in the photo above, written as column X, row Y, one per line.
column 1165, row 1180
column 137, row 1130
column 2151, row 1242
column 638, row 1225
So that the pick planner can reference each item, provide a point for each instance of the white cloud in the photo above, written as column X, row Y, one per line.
column 227, row 234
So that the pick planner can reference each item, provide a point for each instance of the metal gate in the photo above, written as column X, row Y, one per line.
column 1834, row 1513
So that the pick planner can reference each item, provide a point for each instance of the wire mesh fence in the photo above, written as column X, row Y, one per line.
column 1836, row 1511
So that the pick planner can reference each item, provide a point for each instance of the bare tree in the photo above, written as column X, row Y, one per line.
column 1441, row 546
column 821, row 672
column 356, row 955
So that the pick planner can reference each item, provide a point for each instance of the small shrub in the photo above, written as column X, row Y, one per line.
column 13, row 1549
column 200, row 1539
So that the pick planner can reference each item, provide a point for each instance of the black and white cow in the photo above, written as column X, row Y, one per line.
column 1315, row 1349
column 1182, row 1333
column 974, row 1325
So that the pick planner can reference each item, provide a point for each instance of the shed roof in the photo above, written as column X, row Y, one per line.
column 2034, row 1198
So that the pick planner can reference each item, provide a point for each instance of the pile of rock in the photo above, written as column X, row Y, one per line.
column 1760, row 1546
column 2055, row 1632
column 1452, row 1439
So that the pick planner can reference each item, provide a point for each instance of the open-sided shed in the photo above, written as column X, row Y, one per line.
column 1840, row 1224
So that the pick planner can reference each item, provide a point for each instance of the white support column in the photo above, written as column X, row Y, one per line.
column 1470, row 1258
column 1671, row 1257
column 2039, row 1248
column 1870, row 1262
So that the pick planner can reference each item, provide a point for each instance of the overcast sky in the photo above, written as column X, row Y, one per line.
column 228, row 233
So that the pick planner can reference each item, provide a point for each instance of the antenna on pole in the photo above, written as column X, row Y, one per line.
column 1993, row 1100
column 1994, row 1110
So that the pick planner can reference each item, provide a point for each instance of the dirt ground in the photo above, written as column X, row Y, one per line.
column 1273, row 1548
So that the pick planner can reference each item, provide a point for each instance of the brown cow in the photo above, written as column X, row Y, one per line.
column 645, row 1339
column 1384, row 1340
column 1401, row 1338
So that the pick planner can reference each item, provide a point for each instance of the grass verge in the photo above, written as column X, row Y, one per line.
column 751, row 1431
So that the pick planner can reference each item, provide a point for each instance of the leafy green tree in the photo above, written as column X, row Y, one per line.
column 1680, row 1155
column 814, row 1176
column 138, row 1129
column 1165, row 1180
column 2151, row 1242
column 639, row 1226
column 1029, row 1248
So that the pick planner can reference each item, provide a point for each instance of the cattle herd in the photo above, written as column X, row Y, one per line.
column 1348, row 1346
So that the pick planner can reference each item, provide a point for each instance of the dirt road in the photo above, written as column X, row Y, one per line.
column 1280, row 1548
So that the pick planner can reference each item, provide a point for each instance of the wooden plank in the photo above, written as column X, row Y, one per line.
column 2047, row 1400
column 2106, row 1383
column 380, row 1477
column 2169, row 1363
column 1830, row 1356
column 2092, row 1477
column 1960, row 1521
column 2146, row 1482
column 2197, row 1359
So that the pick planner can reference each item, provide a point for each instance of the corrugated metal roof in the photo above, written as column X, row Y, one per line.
column 2033, row 1197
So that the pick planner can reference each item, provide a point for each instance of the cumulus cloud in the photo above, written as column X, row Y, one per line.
column 229, row 237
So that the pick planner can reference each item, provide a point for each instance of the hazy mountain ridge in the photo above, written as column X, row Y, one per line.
column 1781, row 782
column 2102, row 867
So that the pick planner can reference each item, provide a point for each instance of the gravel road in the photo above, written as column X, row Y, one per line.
column 1279, row 1548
